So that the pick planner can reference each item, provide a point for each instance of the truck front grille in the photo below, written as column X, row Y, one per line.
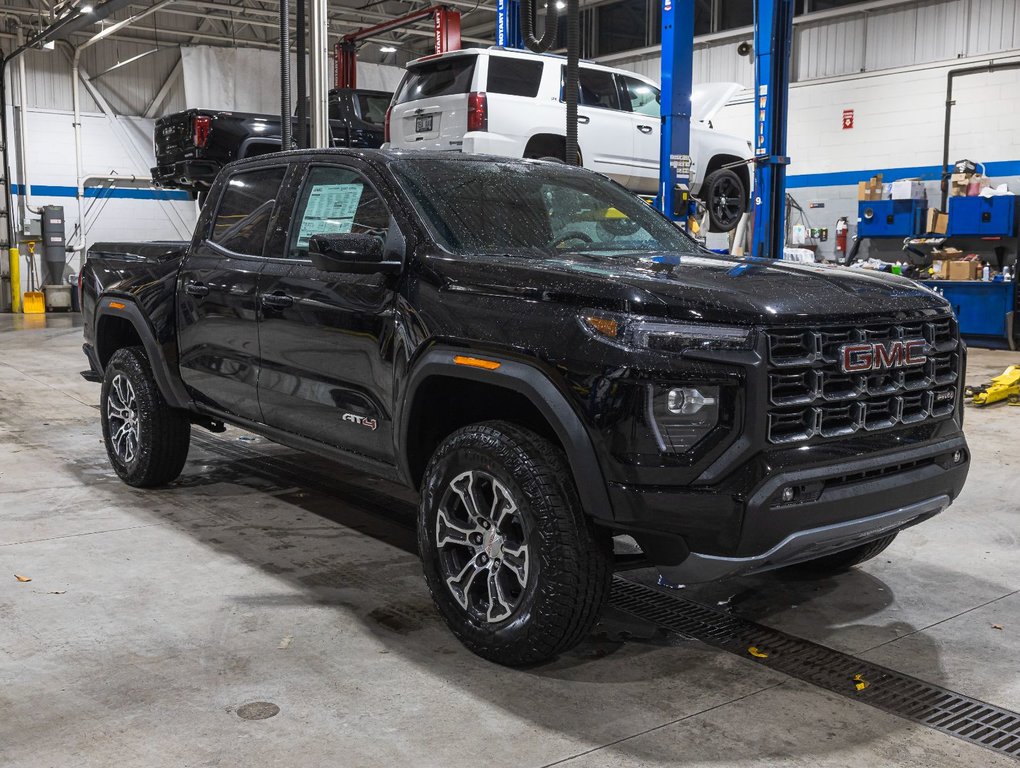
column 810, row 397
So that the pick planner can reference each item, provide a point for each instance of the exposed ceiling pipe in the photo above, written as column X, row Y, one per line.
column 26, row 204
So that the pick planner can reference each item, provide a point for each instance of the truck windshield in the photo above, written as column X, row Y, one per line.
column 526, row 209
column 372, row 106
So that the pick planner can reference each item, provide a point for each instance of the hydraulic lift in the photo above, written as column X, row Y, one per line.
column 773, row 38
column 446, row 23
column 773, row 35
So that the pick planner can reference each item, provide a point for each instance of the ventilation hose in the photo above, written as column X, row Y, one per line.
column 285, row 110
column 548, row 39
column 573, row 79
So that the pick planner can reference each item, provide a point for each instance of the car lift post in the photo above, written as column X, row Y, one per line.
column 446, row 24
column 773, row 39
column 508, row 24
column 675, row 108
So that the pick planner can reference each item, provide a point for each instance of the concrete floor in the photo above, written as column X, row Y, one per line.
column 267, row 575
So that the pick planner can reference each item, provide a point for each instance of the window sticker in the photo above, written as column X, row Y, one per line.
column 331, row 209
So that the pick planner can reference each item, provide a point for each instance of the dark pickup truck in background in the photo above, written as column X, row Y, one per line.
column 191, row 146
column 548, row 361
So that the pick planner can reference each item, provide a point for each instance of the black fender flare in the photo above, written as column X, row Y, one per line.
column 530, row 381
column 125, row 308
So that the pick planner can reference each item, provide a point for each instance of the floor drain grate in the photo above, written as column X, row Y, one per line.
column 969, row 719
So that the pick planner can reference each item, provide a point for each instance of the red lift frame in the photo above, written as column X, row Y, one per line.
column 446, row 22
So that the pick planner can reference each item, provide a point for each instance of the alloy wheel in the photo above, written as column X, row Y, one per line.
column 122, row 414
column 482, row 541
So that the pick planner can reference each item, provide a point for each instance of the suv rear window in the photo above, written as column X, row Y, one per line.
column 515, row 77
column 443, row 77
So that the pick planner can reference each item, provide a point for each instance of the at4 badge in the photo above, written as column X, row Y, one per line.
column 363, row 421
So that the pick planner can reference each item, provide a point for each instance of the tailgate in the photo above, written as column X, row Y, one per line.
column 173, row 135
column 430, row 109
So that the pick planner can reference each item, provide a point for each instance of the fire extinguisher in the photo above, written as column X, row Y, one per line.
column 842, row 227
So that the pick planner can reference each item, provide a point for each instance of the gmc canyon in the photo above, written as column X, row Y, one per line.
column 548, row 361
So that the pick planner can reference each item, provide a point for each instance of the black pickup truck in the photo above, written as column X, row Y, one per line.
column 548, row 361
column 193, row 145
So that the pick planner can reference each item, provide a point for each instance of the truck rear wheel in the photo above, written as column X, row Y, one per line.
column 516, row 569
column 848, row 558
column 147, row 440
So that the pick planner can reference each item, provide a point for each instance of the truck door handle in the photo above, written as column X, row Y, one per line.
column 277, row 300
column 645, row 128
column 196, row 289
column 583, row 119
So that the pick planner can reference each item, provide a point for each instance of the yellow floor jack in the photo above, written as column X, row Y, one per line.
column 1005, row 386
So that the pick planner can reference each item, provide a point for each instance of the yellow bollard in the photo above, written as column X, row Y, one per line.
column 15, row 258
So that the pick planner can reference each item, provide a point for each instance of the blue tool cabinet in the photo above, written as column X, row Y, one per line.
column 982, row 216
column 891, row 218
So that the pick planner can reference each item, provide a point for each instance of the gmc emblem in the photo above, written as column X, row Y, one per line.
column 878, row 356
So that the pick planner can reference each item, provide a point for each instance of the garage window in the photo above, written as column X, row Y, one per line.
column 246, row 206
column 443, row 77
column 514, row 77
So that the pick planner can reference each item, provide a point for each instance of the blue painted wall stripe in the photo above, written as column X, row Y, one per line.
column 115, row 193
column 925, row 172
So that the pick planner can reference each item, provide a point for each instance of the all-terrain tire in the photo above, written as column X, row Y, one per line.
column 848, row 558
column 162, row 435
column 570, row 561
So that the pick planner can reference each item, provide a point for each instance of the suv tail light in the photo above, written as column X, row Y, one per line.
column 386, row 124
column 478, row 112
column 200, row 127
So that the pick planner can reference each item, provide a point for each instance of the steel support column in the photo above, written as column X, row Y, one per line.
column 319, row 83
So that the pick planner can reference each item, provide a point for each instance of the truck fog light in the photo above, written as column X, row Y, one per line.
column 957, row 457
column 788, row 494
column 687, row 400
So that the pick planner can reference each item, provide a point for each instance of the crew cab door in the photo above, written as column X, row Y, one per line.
column 641, row 102
column 217, row 313
column 605, row 133
column 327, row 337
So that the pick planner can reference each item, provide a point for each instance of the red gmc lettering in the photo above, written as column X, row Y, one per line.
column 858, row 357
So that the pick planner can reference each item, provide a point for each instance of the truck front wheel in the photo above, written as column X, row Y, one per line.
column 147, row 440
column 516, row 569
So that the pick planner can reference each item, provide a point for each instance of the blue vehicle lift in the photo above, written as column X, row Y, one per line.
column 773, row 39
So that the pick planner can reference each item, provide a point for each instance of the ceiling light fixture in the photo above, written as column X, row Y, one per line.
column 85, row 8
column 387, row 49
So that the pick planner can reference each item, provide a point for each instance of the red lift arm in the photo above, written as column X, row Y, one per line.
column 446, row 23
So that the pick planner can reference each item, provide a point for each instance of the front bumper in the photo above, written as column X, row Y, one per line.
column 696, row 535
column 805, row 545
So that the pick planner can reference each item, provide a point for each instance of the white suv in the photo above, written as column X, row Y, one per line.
column 505, row 102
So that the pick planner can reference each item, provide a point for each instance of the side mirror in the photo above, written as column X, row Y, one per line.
column 346, row 252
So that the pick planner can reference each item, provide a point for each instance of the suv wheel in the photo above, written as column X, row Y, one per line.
column 848, row 558
column 147, row 440
column 726, row 198
column 516, row 569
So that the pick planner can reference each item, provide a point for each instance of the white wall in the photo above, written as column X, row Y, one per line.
column 898, row 130
column 51, row 167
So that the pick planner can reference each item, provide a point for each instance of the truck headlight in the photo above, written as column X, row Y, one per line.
column 682, row 416
column 656, row 335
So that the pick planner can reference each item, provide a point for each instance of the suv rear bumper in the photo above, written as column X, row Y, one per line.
column 696, row 535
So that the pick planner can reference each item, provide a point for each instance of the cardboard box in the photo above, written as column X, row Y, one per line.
column 937, row 222
column 872, row 189
column 939, row 269
column 964, row 270
column 907, row 189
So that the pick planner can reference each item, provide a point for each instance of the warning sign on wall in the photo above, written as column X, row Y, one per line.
column 848, row 119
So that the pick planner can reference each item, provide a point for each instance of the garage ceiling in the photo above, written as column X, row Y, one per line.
column 242, row 23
